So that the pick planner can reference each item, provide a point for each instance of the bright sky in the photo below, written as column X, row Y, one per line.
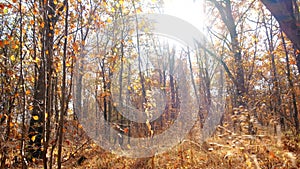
column 190, row 10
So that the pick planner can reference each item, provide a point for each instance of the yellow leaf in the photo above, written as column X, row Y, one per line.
column 37, row 60
column 30, row 107
column 115, row 50
column 33, row 138
column 139, row 10
column 12, row 58
column 128, row 146
column 35, row 117
column 108, row 20
column 248, row 162
column 148, row 125
column 113, row 10
column 5, row 11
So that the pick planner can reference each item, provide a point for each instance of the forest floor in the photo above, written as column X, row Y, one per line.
column 225, row 149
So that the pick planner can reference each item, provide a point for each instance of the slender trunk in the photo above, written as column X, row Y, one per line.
column 171, row 56
column 141, row 76
column 63, row 90
column 291, row 85
column 275, row 81
column 23, row 102
column 56, row 122
column 121, row 74
column 193, row 79
column 128, row 102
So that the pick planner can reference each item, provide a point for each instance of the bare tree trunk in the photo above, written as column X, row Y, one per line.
column 275, row 81
column 291, row 85
column 227, row 18
column 23, row 102
column 194, row 84
column 63, row 90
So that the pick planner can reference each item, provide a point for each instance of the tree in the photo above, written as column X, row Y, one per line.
column 231, row 21
column 287, row 14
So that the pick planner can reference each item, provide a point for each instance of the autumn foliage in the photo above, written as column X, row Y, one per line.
column 65, row 64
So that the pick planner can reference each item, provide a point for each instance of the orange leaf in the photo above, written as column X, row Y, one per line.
column 6, row 42
column 126, row 130
column 75, row 46
column 35, row 12
column 292, row 62
column 27, row 92
column 271, row 154
column 15, row 46
column 2, row 6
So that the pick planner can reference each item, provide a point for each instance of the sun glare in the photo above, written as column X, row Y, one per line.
column 191, row 11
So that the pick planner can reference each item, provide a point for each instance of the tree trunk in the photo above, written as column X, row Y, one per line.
column 239, row 81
